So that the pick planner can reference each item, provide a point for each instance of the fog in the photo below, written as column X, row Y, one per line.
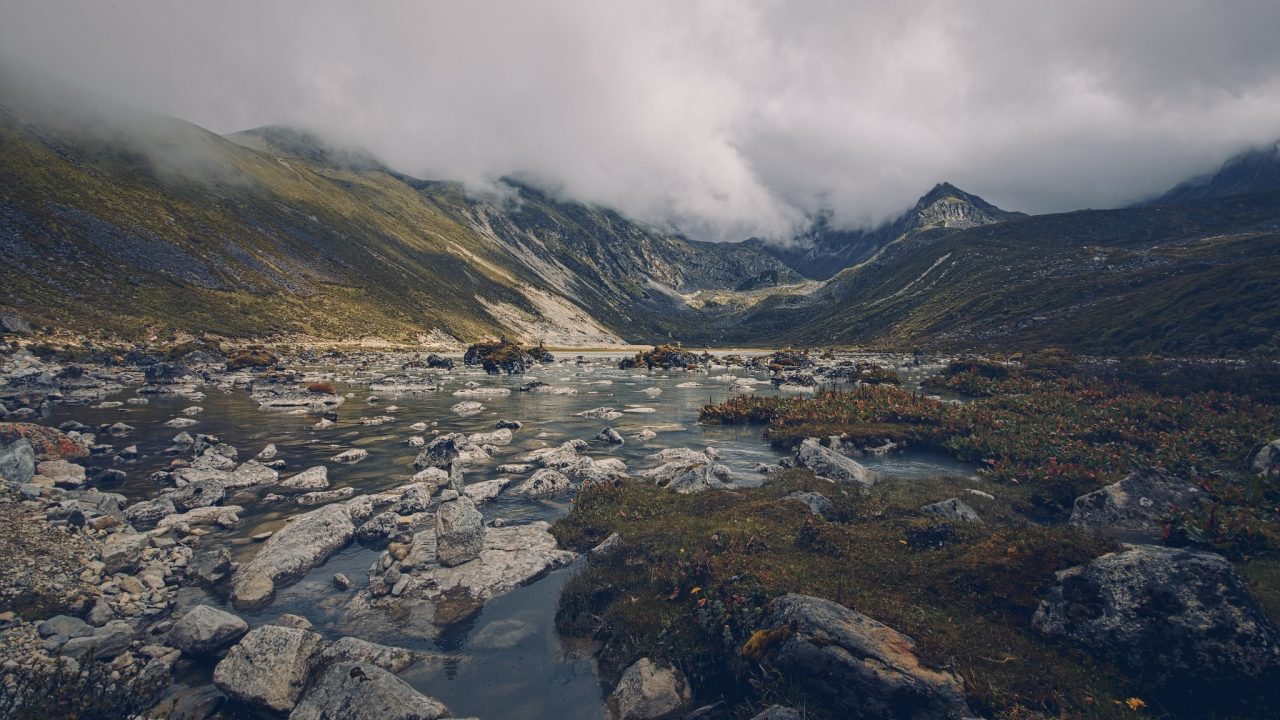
column 721, row 119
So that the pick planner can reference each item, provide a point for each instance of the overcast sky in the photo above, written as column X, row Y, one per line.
column 725, row 119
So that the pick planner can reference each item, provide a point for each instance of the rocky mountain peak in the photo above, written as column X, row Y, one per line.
column 947, row 206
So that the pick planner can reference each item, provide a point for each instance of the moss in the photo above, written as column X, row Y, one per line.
column 695, row 572
column 252, row 360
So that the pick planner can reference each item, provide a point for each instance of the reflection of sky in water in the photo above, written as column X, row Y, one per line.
column 538, row 676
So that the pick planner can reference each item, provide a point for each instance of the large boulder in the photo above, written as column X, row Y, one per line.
column 953, row 509
column 459, row 532
column 269, row 667
column 313, row 478
column 206, row 630
column 303, row 544
column 46, row 442
column 1140, row 503
column 364, row 691
column 649, row 691
column 351, row 649
column 1167, row 615
column 831, row 465
column 851, row 663
column 544, row 483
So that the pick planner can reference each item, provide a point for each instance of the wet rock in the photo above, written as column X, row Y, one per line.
column 301, row 545
column 364, row 691
column 197, row 494
column 483, row 492
column 543, row 483
column 1140, row 503
column 350, row 457
column 649, row 691
column 610, row 435
column 1165, row 614
column 509, row 425
column 269, row 667
column 440, row 452
column 321, row 497
column 314, row 478
column 459, row 532
column 268, row 452
column 250, row 474
column 227, row 516
column 502, row 635
column 350, row 649
column 467, row 407
column 496, row 437
column 953, row 509
column 206, row 630
column 341, row 581
column 858, row 667
column 831, row 465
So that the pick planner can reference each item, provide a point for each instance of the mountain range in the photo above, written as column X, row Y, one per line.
column 120, row 222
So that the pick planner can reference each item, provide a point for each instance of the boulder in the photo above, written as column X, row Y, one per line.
column 543, row 483
column 269, row 667
column 459, row 532
column 1267, row 462
column 62, row 473
column 778, row 712
column 350, row 457
column 13, row 325
column 953, row 509
column 364, row 691
column 314, row 478
column 440, row 452
column 206, row 630
column 351, row 649
column 649, row 691
column 610, row 436
column 250, row 474
column 817, row 503
column 46, row 442
column 1140, row 503
column 831, row 465
column 851, row 663
column 1165, row 614
column 146, row 514
column 123, row 551
column 303, row 544
column 204, row 492
column 17, row 461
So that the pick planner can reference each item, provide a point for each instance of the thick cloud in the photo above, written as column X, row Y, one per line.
column 725, row 119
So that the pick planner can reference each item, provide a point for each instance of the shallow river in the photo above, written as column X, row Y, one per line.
column 519, row 667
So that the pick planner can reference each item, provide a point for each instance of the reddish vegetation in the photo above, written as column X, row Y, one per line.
column 320, row 388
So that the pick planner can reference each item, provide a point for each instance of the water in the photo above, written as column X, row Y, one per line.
column 533, row 672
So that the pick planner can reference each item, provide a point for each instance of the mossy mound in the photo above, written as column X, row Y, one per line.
column 500, row 357
column 665, row 357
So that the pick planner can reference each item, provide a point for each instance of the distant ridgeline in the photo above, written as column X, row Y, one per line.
column 121, row 222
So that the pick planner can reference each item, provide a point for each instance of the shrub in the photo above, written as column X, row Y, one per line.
column 321, row 388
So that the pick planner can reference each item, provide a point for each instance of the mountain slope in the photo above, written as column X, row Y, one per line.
column 1256, row 170
column 823, row 251
column 123, row 221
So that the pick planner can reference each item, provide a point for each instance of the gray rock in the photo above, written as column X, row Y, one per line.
column 350, row 457
column 66, row 626
column 341, row 581
column 1140, row 503
column 440, row 452
column 610, row 435
column 144, row 515
column 778, row 712
column 1267, row 462
column 321, row 497
column 206, row 630
column 106, row 642
column 250, row 474
column 269, row 667
column 301, row 545
column 62, row 473
column 818, row 504
column 544, row 483
column 649, row 691
column 350, row 649
column 13, row 325
column 459, row 532
column 206, row 492
column 831, row 465
column 364, row 691
column 123, row 551
column 952, row 509
column 1168, row 615
column 17, row 461
column 211, row 566
column 847, row 661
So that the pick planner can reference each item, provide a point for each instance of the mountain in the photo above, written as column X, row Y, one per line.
column 121, row 221
column 824, row 251
column 1256, row 170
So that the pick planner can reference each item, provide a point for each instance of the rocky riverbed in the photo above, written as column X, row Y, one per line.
column 338, row 534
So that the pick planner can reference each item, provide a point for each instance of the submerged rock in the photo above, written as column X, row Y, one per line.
column 849, row 662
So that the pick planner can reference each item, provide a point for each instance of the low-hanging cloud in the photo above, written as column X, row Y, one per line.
column 723, row 119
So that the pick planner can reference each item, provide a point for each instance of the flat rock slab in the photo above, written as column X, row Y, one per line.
column 303, row 544
column 269, row 667
column 364, row 691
